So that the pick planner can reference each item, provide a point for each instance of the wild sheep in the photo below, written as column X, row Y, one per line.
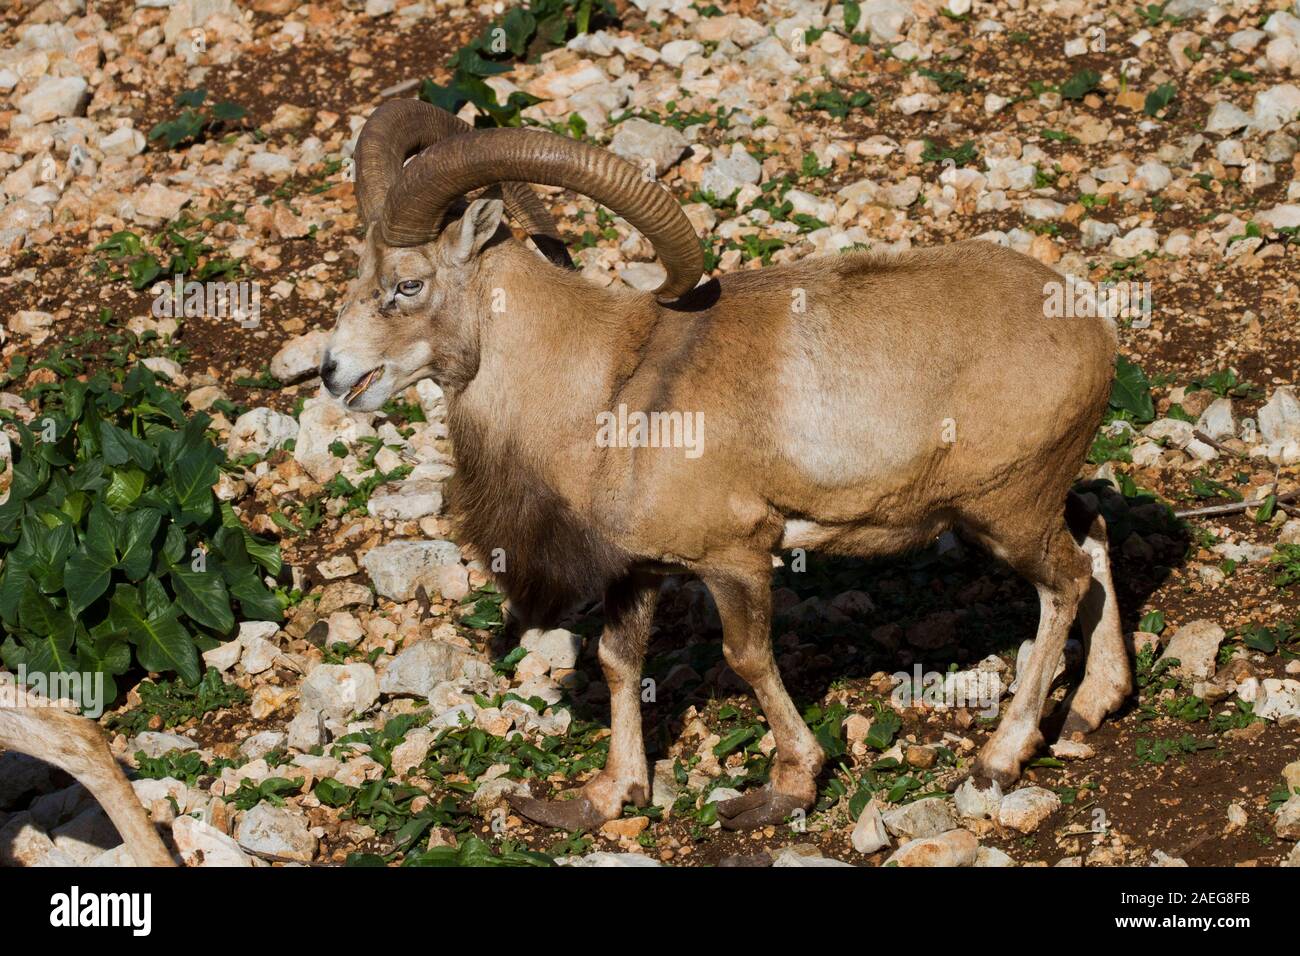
column 859, row 404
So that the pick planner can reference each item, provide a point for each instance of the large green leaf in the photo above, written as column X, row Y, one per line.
column 13, row 582
column 53, row 539
column 74, row 397
column 173, row 549
column 13, row 654
column 191, row 479
column 124, row 486
column 120, row 446
column 30, row 476
column 75, row 506
column 1131, row 392
column 202, row 595
column 135, row 534
column 255, row 599
column 51, row 629
column 518, row 25
column 108, row 656
column 89, row 475
column 265, row 553
column 161, row 641
column 91, row 567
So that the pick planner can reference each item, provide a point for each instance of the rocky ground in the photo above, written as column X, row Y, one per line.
column 390, row 714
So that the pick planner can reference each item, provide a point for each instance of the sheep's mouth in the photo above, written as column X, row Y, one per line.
column 363, row 383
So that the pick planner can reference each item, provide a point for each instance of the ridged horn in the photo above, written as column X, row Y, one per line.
column 417, row 203
column 401, row 128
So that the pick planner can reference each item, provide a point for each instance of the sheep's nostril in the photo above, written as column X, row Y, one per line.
column 327, row 369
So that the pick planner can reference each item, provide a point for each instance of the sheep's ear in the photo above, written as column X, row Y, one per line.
column 476, row 227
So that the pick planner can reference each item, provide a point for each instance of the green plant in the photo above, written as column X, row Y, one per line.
column 177, row 250
column 170, row 703
column 1287, row 559
column 948, row 81
column 185, row 766
column 1205, row 487
column 114, row 547
column 1080, row 85
column 1273, row 640
column 676, row 118
column 263, row 379
column 884, row 728
column 757, row 247
column 810, row 168
column 1154, row 14
column 1110, row 447
column 835, row 102
column 1153, row 622
column 1226, row 384
column 356, row 496
column 486, row 613
column 1159, row 98
column 195, row 120
column 1130, row 401
column 540, row 25
column 1156, row 751
column 271, row 790
column 474, row 852
column 1153, row 674
column 1241, row 715
column 1130, row 393
column 963, row 155
column 1280, row 795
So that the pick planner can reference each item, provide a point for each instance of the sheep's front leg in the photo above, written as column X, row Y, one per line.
column 629, row 612
column 745, row 606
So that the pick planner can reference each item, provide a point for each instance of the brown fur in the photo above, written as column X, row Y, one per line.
column 552, row 559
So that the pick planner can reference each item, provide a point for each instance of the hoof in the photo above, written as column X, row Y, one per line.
column 570, row 815
column 987, row 772
column 758, row 808
column 1078, row 723
column 1003, row 755
column 1087, row 710
column 985, row 779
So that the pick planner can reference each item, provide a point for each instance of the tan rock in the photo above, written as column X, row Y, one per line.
column 625, row 828
column 954, row 848
column 159, row 202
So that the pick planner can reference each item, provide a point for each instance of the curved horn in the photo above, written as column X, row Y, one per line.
column 401, row 128
column 430, row 183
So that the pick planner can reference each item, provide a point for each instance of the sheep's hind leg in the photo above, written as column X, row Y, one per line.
column 1061, row 575
column 629, row 612
column 745, row 605
column 1108, row 676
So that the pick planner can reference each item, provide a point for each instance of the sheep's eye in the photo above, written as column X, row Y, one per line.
column 409, row 286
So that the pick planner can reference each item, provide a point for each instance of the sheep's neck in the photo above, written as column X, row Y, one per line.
column 552, row 360
column 524, row 432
